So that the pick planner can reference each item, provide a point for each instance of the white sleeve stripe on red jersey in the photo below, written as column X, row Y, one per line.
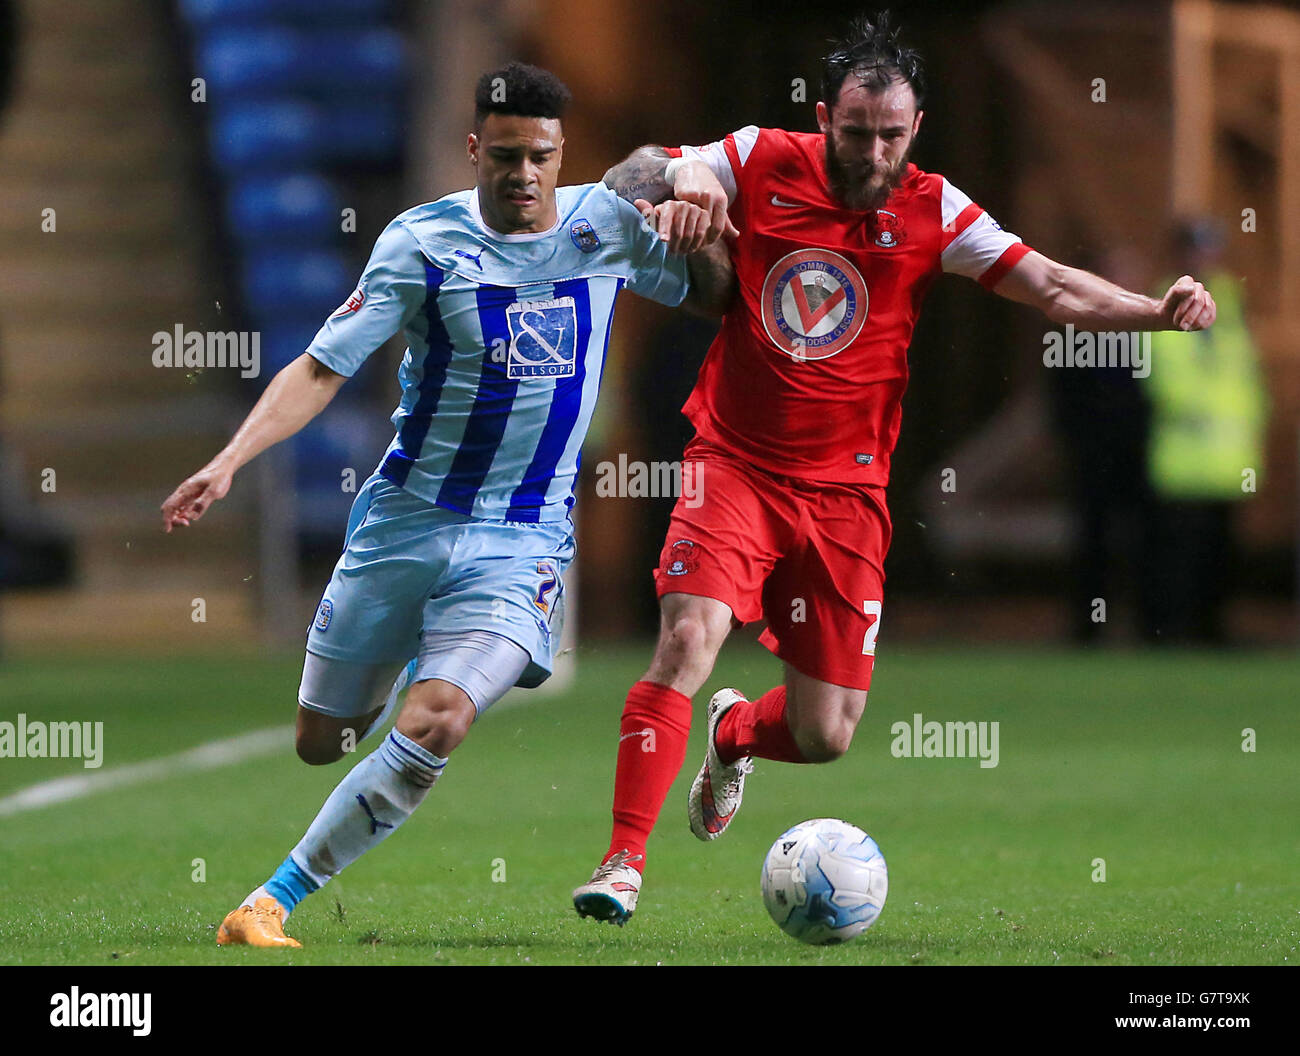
column 977, row 248
column 726, row 157
column 733, row 156
column 744, row 139
column 1011, row 256
column 714, row 155
column 952, row 203
column 959, row 224
column 971, row 241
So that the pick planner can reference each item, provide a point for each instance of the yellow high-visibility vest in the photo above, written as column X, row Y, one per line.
column 1208, row 405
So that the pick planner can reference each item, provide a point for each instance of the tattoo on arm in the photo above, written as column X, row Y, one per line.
column 641, row 175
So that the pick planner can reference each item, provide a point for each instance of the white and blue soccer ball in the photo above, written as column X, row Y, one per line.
column 824, row 881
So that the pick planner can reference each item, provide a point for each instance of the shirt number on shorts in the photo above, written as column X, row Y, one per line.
column 871, row 608
column 548, row 586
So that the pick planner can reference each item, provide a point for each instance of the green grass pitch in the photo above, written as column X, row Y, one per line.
column 1132, row 758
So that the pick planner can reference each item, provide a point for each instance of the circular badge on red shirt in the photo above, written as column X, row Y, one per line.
column 814, row 303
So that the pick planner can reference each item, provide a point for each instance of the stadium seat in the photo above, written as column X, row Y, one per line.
column 301, row 209
column 271, row 60
column 350, row 437
column 203, row 14
column 343, row 63
column 269, row 136
column 312, row 283
column 284, row 340
column 365, row 130
column 289, row 134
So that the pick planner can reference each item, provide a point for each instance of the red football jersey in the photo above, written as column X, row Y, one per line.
column 806, row 376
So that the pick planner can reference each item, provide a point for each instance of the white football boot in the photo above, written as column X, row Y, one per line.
column 718, row 787
column 612, row 891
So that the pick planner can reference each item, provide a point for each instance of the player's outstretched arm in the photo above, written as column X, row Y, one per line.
column 645, row 176
column 1071, row 295
column 295, row 396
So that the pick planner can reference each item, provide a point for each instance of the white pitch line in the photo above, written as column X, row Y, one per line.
column 210, row 756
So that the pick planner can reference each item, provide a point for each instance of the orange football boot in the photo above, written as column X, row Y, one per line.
column 261, row 924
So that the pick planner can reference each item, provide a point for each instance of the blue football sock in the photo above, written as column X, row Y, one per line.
column 289, row 885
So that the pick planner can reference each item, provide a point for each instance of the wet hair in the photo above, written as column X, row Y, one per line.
column 520, row 89
column 871, row 50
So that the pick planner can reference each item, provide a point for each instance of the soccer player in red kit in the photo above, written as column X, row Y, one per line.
column 796, row 412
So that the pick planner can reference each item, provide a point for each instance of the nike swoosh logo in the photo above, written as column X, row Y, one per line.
column 713, row 821
column 636, row 733
column 776, row 200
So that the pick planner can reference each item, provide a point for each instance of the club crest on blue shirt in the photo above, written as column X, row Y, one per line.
column 352, row 304
column 543, row 338
column 324, row 614
column 584, row 236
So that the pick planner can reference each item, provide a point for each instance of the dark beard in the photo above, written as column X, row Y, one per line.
column 859, row 195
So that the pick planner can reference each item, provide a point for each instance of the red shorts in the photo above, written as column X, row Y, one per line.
column 806, row 556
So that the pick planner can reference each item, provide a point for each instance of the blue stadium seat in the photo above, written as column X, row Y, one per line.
column 284, row 340
column 251, row 61
column 300, row 208
column 372, row 62
column 305, row 283
column 365, row 130
column 270, row 136
column 206, row 13
column 351, row 437
column 291, row 134
column 274, row 60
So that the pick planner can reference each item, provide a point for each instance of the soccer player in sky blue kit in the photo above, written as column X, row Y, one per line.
column 457, row 544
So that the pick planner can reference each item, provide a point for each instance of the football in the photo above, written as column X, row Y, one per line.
column 824, row 881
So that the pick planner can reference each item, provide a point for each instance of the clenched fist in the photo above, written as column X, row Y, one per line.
column 1188, row 306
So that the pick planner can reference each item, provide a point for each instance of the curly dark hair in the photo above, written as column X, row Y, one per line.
column 518, row 88
column 872, row 51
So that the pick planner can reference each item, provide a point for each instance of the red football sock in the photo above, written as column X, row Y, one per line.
column 651, row 750
column 758, row 728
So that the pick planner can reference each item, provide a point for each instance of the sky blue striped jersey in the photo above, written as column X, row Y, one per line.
column 507, row 337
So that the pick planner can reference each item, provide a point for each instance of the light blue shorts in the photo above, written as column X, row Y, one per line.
column 409, row 566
